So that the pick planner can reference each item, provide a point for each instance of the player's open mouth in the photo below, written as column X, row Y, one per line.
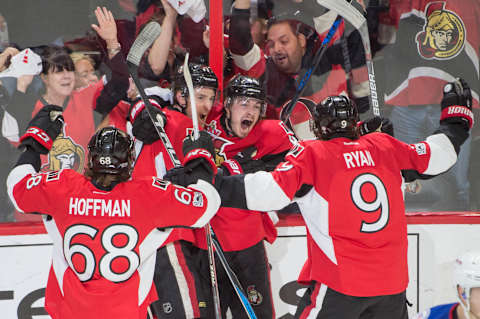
column 246, row 124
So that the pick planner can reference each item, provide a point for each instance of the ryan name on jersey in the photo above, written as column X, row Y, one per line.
column 359, row 158
column 99, row 207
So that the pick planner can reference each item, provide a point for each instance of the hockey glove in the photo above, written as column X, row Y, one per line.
column 199, row 160
column 179, row 176
column 376, row 124
column 457, row 104
column 242, row 163
column 43, row 129
column 143, row 128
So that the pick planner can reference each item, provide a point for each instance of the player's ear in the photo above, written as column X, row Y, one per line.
column 302, row 40
column 182, row 101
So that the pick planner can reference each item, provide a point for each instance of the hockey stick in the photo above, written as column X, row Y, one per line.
column 143, row 41
column 356, row 17
column 237, row 286
column 285, row 115
column 211, row 258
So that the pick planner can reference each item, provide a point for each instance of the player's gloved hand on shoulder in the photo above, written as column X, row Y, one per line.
column 142, row 126
column 457, row 104
column 376, row 124
column 179, row 176
column 199, row 157
column 43, row 129
column 242, row 163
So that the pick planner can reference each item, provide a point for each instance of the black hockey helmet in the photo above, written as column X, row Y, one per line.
column 244, row 86
column 202, row 76
column 111, row 152
column 335, row 116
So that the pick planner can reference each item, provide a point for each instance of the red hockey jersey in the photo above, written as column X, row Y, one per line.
column 153, row 159
column 104, row 242
column 355, row 213
column 235, row 228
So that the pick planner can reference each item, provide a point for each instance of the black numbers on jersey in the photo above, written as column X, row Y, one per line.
column 112, row 251
column 380, row 203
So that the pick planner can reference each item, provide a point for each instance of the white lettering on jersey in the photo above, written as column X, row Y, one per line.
column 285, row 166
column 358, row 159
column 99, row 207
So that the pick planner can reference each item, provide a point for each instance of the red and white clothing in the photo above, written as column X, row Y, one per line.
column 69, row 150
column 235, row 228
column 423, row 55
column 355, row 214
column 105, row 240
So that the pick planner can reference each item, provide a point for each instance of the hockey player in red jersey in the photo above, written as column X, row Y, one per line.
column 354, row 210
column 245, row 143
column 104, row 231
column 179, row 288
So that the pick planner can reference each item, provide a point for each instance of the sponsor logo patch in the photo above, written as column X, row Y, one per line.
column 197, row 199
column 420, row 148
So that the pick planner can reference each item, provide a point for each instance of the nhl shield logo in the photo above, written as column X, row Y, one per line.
column 443, row 36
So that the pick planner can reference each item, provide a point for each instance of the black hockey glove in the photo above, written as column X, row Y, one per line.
column 376, row 124
column 199, row 160
column 142, row 126
column 43, row 129
column 179, row 176
column 457, row 104
column 242, row 163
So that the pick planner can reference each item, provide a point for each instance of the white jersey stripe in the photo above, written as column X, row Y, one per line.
column 15, row 176
column 443, row 155
column 314, row 209
column 318, row 302
column 259, row 184
column 181, row 280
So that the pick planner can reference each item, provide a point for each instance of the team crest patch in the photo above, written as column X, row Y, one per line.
column 160, row 183
column 443, row 36
column 254, row 297
column 52, row 176
column 197, row 199
column 420, row 148
column 167, row 307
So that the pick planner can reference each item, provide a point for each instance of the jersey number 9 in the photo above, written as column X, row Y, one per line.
column 379, row 203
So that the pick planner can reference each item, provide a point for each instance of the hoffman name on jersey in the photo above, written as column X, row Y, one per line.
column 99, row 207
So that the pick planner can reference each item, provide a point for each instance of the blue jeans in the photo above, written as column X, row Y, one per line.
column 449, row 191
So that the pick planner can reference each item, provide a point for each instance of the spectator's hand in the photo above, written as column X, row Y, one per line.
column 43, row 129
column 200, row 157
column 206, row 37
column 376, row 124
column 457, row 103
column 5, row 57
column 106, row 28
column 169, row 10
column 23, row 82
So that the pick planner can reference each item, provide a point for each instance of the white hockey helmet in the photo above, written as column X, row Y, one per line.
column 466, row 274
